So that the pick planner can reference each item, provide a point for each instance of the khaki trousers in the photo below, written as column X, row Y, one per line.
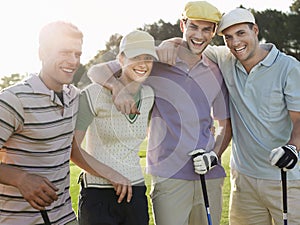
column 180, row 202
column 259, row 202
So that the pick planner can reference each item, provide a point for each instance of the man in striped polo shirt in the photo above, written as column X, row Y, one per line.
column 37, row 121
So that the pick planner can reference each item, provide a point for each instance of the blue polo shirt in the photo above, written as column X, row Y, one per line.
column 259, row 104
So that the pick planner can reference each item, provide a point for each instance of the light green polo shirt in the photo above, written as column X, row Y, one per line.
column 259, row 104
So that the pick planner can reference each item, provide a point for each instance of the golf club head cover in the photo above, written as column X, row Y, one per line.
column 203, row 161
column 285, row 157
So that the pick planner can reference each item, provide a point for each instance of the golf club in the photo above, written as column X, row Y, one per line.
column 205, row 196
column 284, row 196
column 45, row 217
column 204, row 191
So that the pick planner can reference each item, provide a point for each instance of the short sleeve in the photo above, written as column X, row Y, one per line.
column 291, row 89
column 85, row 114
column 11, row 115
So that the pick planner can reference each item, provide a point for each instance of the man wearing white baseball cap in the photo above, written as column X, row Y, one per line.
column 263, row 84
column 236, row 16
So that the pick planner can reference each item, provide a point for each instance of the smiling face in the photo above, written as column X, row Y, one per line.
column 135, row 69
column 60, row 62
column 59, row 51
column 242, row 41
column 198, row 34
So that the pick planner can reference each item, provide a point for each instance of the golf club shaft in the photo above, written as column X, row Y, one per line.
column 45, row 217
column 205, row 196
column 284, row 196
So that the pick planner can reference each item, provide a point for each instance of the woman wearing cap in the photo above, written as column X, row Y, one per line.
column 114, row 138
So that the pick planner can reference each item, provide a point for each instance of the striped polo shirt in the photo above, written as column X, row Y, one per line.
column 36, row 131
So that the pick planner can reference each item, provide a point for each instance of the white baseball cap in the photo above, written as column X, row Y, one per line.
column 137, row 43
column 236, row 16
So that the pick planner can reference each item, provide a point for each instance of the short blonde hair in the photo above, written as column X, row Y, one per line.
column 54, row 31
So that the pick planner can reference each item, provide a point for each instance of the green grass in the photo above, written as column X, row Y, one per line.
column 226, row 187
column 74, row 189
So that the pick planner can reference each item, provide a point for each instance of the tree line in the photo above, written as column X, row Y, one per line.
column 276, row 27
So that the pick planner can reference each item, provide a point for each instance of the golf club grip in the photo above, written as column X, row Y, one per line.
column 204, row 190
column 205, row 196
column 284, row 191
column 45, row 217
column 284, row 196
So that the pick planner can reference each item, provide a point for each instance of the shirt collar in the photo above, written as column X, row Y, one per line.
column 204, row 60
column 267, row 61
column 39, row 87
column 272, row 55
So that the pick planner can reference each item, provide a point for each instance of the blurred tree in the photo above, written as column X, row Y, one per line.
column 10, row 80
column 294, row 31
column 295, row 7
column 161, row 30
column 276, row 27
column 217, row 40
column 111, row 50
column 281, row 29
column 273, row 27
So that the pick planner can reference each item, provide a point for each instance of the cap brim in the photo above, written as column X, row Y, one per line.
column 130, row 53
column 229, row 24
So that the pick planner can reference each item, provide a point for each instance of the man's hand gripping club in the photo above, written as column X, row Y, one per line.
column 203, row 161
column 285, row 157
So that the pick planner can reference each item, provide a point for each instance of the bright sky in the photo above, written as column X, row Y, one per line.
column 20, row 22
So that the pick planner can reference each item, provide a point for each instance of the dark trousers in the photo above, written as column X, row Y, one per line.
column 99, row 206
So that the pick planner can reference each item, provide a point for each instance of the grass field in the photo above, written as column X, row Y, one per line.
column 226, row 189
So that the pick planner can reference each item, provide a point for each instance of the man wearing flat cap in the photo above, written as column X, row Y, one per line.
column 189, row 96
